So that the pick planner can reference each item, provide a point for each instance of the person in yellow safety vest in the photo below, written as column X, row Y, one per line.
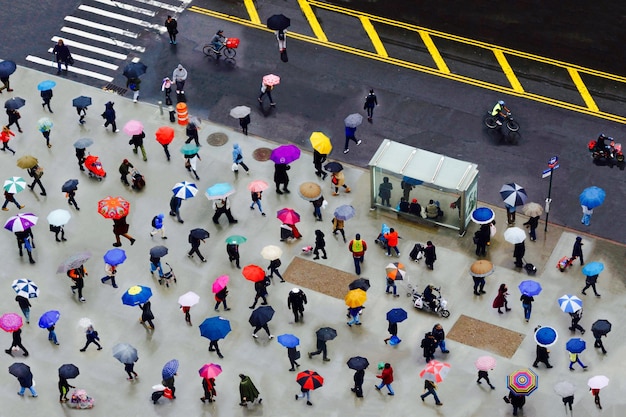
column 358, row 248
column 500, row 111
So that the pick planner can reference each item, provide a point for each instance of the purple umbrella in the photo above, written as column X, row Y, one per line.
column 285, row 154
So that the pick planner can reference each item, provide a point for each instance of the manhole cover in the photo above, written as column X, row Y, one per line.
column 217, row 139
column 262, row 154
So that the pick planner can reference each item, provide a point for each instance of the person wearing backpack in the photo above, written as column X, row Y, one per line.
column 157, row 226
column 36, row 172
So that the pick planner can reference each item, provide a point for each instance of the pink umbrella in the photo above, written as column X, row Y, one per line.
column 220, row 283
column 271, row 79
column 485, row 363
column 10, row 322
column 133, row 127
column 210, row 370
column 258, row 185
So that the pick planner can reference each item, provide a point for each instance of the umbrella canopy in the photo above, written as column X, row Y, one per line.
column 10, row 322
column 115, row 256
column 262, row 315
column 14, row 185
column 49, row 318
column 355, row 298
column 592, row 197
column 326, row 333
column 333, row 167
column 546, row 336
column 25, row 287
column 170, row 369
column 185, row 190
column 353, row 120
column 485, row 363
column 44, row 124
column 360, row 283
column 133, row 127
column 83, row 143
column 219, row 284
column 134, row 70
column 435, row 371
column 570, row 303
column 135, row 295
column 529, row 287
column 85, row 322
column 258, row 186
column 14, row 103
column 321, row 143
column 159, row 251
column 564, row 389
column 358, row 363
column 253, row 273
column 27, row 161
column 397, row 315
column 309, row 380
column 481, row 268
column 20, row 370
column 210, row 370
column 7, row 68
column 601, row 327
column 575, row 345
column 125, row 353
column 483, row 215
column 593, row 268
column 189, row 299
column 164, row 135
column 345, row 212
column 395, row 271
column 513, row 194
column 514, row 235
column 68, row 371
column 271, row 79
column 69, row 185
column 288, row 340
column 21, row 222
column 81, row 102
column 285, row 154
column 522, row 382
column 46, row 85
column 199, row 233
column 59, row 217
column 239, row 112
column 189, row 149
column 288, row 216
column 214, row 328
column 74, row 261
column 271, row 252
column 113, row 208
column 235, row 240
column 278, row 22
column 598, row 382
column 219, row 191
column 532, row 209
column 310, row 191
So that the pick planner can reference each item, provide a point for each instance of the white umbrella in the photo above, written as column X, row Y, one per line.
column 514, row 235
column 239, row 112
column 565, row 388
column 85, row 322
column 353, row 120
column 58, row 217
column 271, row 252
column 188, row 299
column 598, row 382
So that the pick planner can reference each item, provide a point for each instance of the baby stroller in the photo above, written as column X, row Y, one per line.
column 167, row 276
column 564, row 262
column 380, row 240
column 417, row 253
column 94, row 167
column 137, row 180
column 80, row 399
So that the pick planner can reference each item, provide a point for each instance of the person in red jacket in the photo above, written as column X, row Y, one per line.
column 358, row 248
column 392, row 241
column 387, row 378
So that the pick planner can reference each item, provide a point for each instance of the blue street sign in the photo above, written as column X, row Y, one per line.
column 553, row 160
column 547, row 172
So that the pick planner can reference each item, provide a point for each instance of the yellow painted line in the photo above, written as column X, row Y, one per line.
column 508, row 71
column 582, row 89
column 371, row 32
column 312, row 19
column 434, row 52
column 251, row 8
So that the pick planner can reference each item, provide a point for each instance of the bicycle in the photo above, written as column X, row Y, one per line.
column 228, row 49
column 490, row 122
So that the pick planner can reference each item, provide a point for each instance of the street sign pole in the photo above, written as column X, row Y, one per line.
column 553, row 163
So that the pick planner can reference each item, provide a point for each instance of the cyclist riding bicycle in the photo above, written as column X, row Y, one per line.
column 500, row 111
column 217, row 42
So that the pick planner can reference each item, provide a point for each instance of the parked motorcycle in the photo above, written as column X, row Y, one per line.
column 492, row 122
column 439, row 304
column 604, row 153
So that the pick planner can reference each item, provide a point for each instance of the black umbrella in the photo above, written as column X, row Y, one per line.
column 601, row 327
column 261, row 316
column 69, row 185
column 68, row 371
column 326, row 333
column 358, row 362
column 7, row 68
column 333, row 167
column 158, row 251
column 199, row 234
column 360, row 284
column 81, row 102
column 20, row 370
column 135, row 70
column 14, row 103
column 278, row 22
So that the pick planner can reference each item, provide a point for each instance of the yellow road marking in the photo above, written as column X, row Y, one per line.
column 434, row 52
column 312, row 19
column 582, row 89
column 251, row 8
column 508, row 71
column 371, row 32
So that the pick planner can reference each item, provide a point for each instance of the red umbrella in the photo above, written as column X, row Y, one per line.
column 165, row 135
column 253, row 273
column 210, row 370
column 113, row 207
column 310, row 380
column 10, row 322
column 288, row 216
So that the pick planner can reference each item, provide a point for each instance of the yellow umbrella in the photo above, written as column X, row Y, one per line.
column 355, row 298
column 27, row 161
column 310, row 191
column 321, row 143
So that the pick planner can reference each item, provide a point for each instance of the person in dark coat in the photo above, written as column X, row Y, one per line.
column 484, row 375
column 92, row 337
column 244, row 122
column 479, row 285
column 80, row 155
column 320, row 245
column 359, row 376
column 36, row 173
column 78, row 279
column 214, row 347
column 273, row 268
column 440, row 337
column 517, row 401
column 318, row 160
column 24, row 306
column 120, row 228
column 590, row 281
column 518, row 254
column 64, row 389
column 248, row 393
column 392, row 328
column 14, row 117
column 26, row 381
column 481, row 239
column 281, row 177
column 195, row 247
column 384, row 192
column 370, row 102
column 130, row 370
column 577, row 250
column 192, row 134
column 543, row 356
column 146, row 314
column 124, row 169
column 137, row 142
column 576, row 317
column 17, row 342
column 293, row 355
column 62, row 55
column 598, row 340
column 175, row 203
column 109, row 116
column 415, row 208
column 172, row 28
column 220, row 298
column 26, row 239
column 429, row 344
column 350, row 135
column 317, row 208
column 10, row 198
column 46, row 96
column 233, row 253
column 532, row 223
column 430, row 256
column 261, row 292
column 296, row 301
column 527, row 301
column 222, row 206
column 169, row 383
column 321, row 348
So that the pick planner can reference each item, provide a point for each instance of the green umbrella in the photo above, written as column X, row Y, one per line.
column 189, row 149
column 235, row 240
column 14, row 185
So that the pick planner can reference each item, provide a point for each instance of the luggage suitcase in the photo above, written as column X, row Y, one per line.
column 530, row 269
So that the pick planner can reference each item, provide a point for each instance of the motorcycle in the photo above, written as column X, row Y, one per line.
column 606, row 154
column 439, row 304
column 492, row 122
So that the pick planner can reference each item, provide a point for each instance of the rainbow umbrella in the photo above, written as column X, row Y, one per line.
column 522, row 382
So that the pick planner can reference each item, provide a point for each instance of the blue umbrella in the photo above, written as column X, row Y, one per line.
column 546, row 336
column 593, row 268
column 483, row 215
column 570, row 303
column 530, row 287
column 137, row 294
column 81, row 102
column 575, row 345
column 397, row 315
column 214, row 328
column 7, row 68
column 49, row 318
column 412, row 181
column 592, row 197
column 288, row 340
column 46, row 85
column 189, row 149
column 344, row 212
column 185, row 190
column 170, row 369
column 115, row 256
column 219, row 191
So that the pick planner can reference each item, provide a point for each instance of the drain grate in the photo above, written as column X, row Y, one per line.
column 112, row 88
column 217, row 139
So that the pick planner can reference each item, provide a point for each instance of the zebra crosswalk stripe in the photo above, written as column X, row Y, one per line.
column 127, row 7
column 103, row 39
column 100, row 26
column 81, row 71
column 123, row 18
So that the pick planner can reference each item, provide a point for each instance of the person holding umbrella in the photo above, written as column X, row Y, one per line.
column 575, row 347
column 70, row 193
column 281, row 177
column 78, row 279
column 81, row 103
column 600, row 328
column 273, row 268
column 308, row 380
column 45, row 88
column 24, row 376
column 291, row 342
column 527, row 305
column 295, row 302
column 146, row 314
column 165, row 136
column 392, row 328
column 259, row 319
column 248, row 393
column 260, row 287
column 64, row 389
column 110, row 271
column 518, row 253
column 484, row 364
column 196, row 237
column 222, row 206
column 36, row 172
column 16, row 342
column 544, row 337
column 6, row 69
column 338, row 180
column 350, row 132
column 590, row 281
column 517, row 401
column 120, row 228
column 324, row 334
column 220, row 295
column 92, row 337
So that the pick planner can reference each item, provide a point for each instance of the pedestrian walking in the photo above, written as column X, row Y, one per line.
column 169, row 383
column 82, row 113
column 179, row 77
column 479, row 285
column 430, row 256
column 358, row 248
column 195, row 247
column 146, row 314
column 577, row 250
column 62, row 55
column 338, row 180
column 120, row 228
column 175, row 203
column 157, row 226
column 532, row 224
column 187, row 312
column 320, row 344
column 26, row 239
column 591, row 281
column 109, row 116
column 214, row 347
column 384, row 192
column 26, row 381
column 338, row 227
column 124, row 169
column 244, row 122
column 130, row 370
column 598, row 340
column 80, row 156
column 440, row 337
column 317, row 208
column 482, row 238
column 220, row 298
column 350, row 136
column 542, row 355
column 46, row 96
column 484, row 375
column 354, row 313
column 137, row 142
column 293, row 354
column 264, row 327
column 318, row 160
column 510, row 214
column 527, row 301
column 428, row 345
column 24, row 306
column 273, row 268
column 36, row 172
column 518, row 253
column 574, row 358
column 172, row 28
column 70, row 198
column 596, row 396
column 391, row 286
column 500, row 300
column 64, row 389
column 266, row 90
column 77, row 276
column 5, row 137
column 45, row 130
column 14, row 117
column 576, row 316
column 155, row 265
column 52, row 336
column 587, row 213
column 370, row 103
column 248, row 393
column 16, row 342
column 222, row 206
column 359, row 377
column 517, row 401
column 392, row 328
column 304, row 392
column 232, row 250
column 208, row 386
column 320, row 245
column 238, row 160
column 192, row 133
column 260, row 288
column 191, row 164
column 281, row 177
column 6, row 83
column 386, row 377
column 92, row 337
column 110, row 271
column 392, row 241
column 256, row 197
column 430, row 388
column 295, row 302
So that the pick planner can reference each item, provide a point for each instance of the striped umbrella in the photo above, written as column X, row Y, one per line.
column 513, row 194
column 435, row 371
column 395, row 271
column 14, row 185
column 20, row 222
column 185, row 190
column 570, row 303
column 25, row 287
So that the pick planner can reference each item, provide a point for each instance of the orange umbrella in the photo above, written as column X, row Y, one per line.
column 165, row 135
column 395, row 271
column 113, row 208
column 355, row 298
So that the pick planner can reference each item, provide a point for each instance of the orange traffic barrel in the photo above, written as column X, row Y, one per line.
column 183, row 116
